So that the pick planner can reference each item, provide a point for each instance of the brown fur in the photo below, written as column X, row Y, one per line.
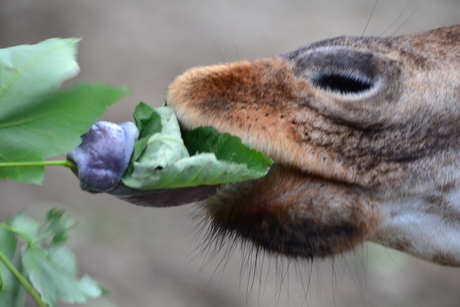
column 283, row 211
column 339, row 158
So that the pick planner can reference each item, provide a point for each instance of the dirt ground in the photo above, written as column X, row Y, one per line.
column 150, row 257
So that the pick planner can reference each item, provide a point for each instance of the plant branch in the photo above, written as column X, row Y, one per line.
column 22, row 280
column 66, row 163
column 22, row 234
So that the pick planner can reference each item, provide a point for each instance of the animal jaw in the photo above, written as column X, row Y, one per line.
column 365, row 136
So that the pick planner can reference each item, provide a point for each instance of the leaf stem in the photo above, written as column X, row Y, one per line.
column 22, row 234
column 66, row 163
column 22, row 280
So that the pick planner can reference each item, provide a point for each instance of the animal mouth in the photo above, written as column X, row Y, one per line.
column 307, row 204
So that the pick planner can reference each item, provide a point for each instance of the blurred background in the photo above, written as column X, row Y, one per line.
column 151, row 257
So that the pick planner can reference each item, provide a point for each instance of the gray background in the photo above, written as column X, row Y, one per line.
column 150, row 257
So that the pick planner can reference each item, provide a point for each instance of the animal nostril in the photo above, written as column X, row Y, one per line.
column 342, row 83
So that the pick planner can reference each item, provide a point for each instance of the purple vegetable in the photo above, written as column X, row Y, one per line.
column 104, row 155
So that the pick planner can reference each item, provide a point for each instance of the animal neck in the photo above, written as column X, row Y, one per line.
column 425, row 226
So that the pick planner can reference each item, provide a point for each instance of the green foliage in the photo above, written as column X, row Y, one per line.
column 44, row 266
column 226, row 147
column 32, row 72
column 165, row 161
column 11, row 291
column 36, row 120
column 148, row 122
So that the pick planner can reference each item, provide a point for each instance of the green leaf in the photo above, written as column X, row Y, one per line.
column 165, row 145
column 37, row 121
column 148, row 122
column 26, row 226
column 58, row 223
column 220, row 158
column 226, row 147
column 52, row 127
column 202, row 169
column 18, row 292
column 30, row 73
column 32, row 174
column 53, row 272
column 8, row 243
column 11, row 293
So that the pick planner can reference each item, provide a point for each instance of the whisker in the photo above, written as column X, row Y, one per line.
column 370, row 16
column 397, row 19
column 406, row 20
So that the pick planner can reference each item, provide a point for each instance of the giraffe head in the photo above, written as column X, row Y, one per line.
column 365, row 135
